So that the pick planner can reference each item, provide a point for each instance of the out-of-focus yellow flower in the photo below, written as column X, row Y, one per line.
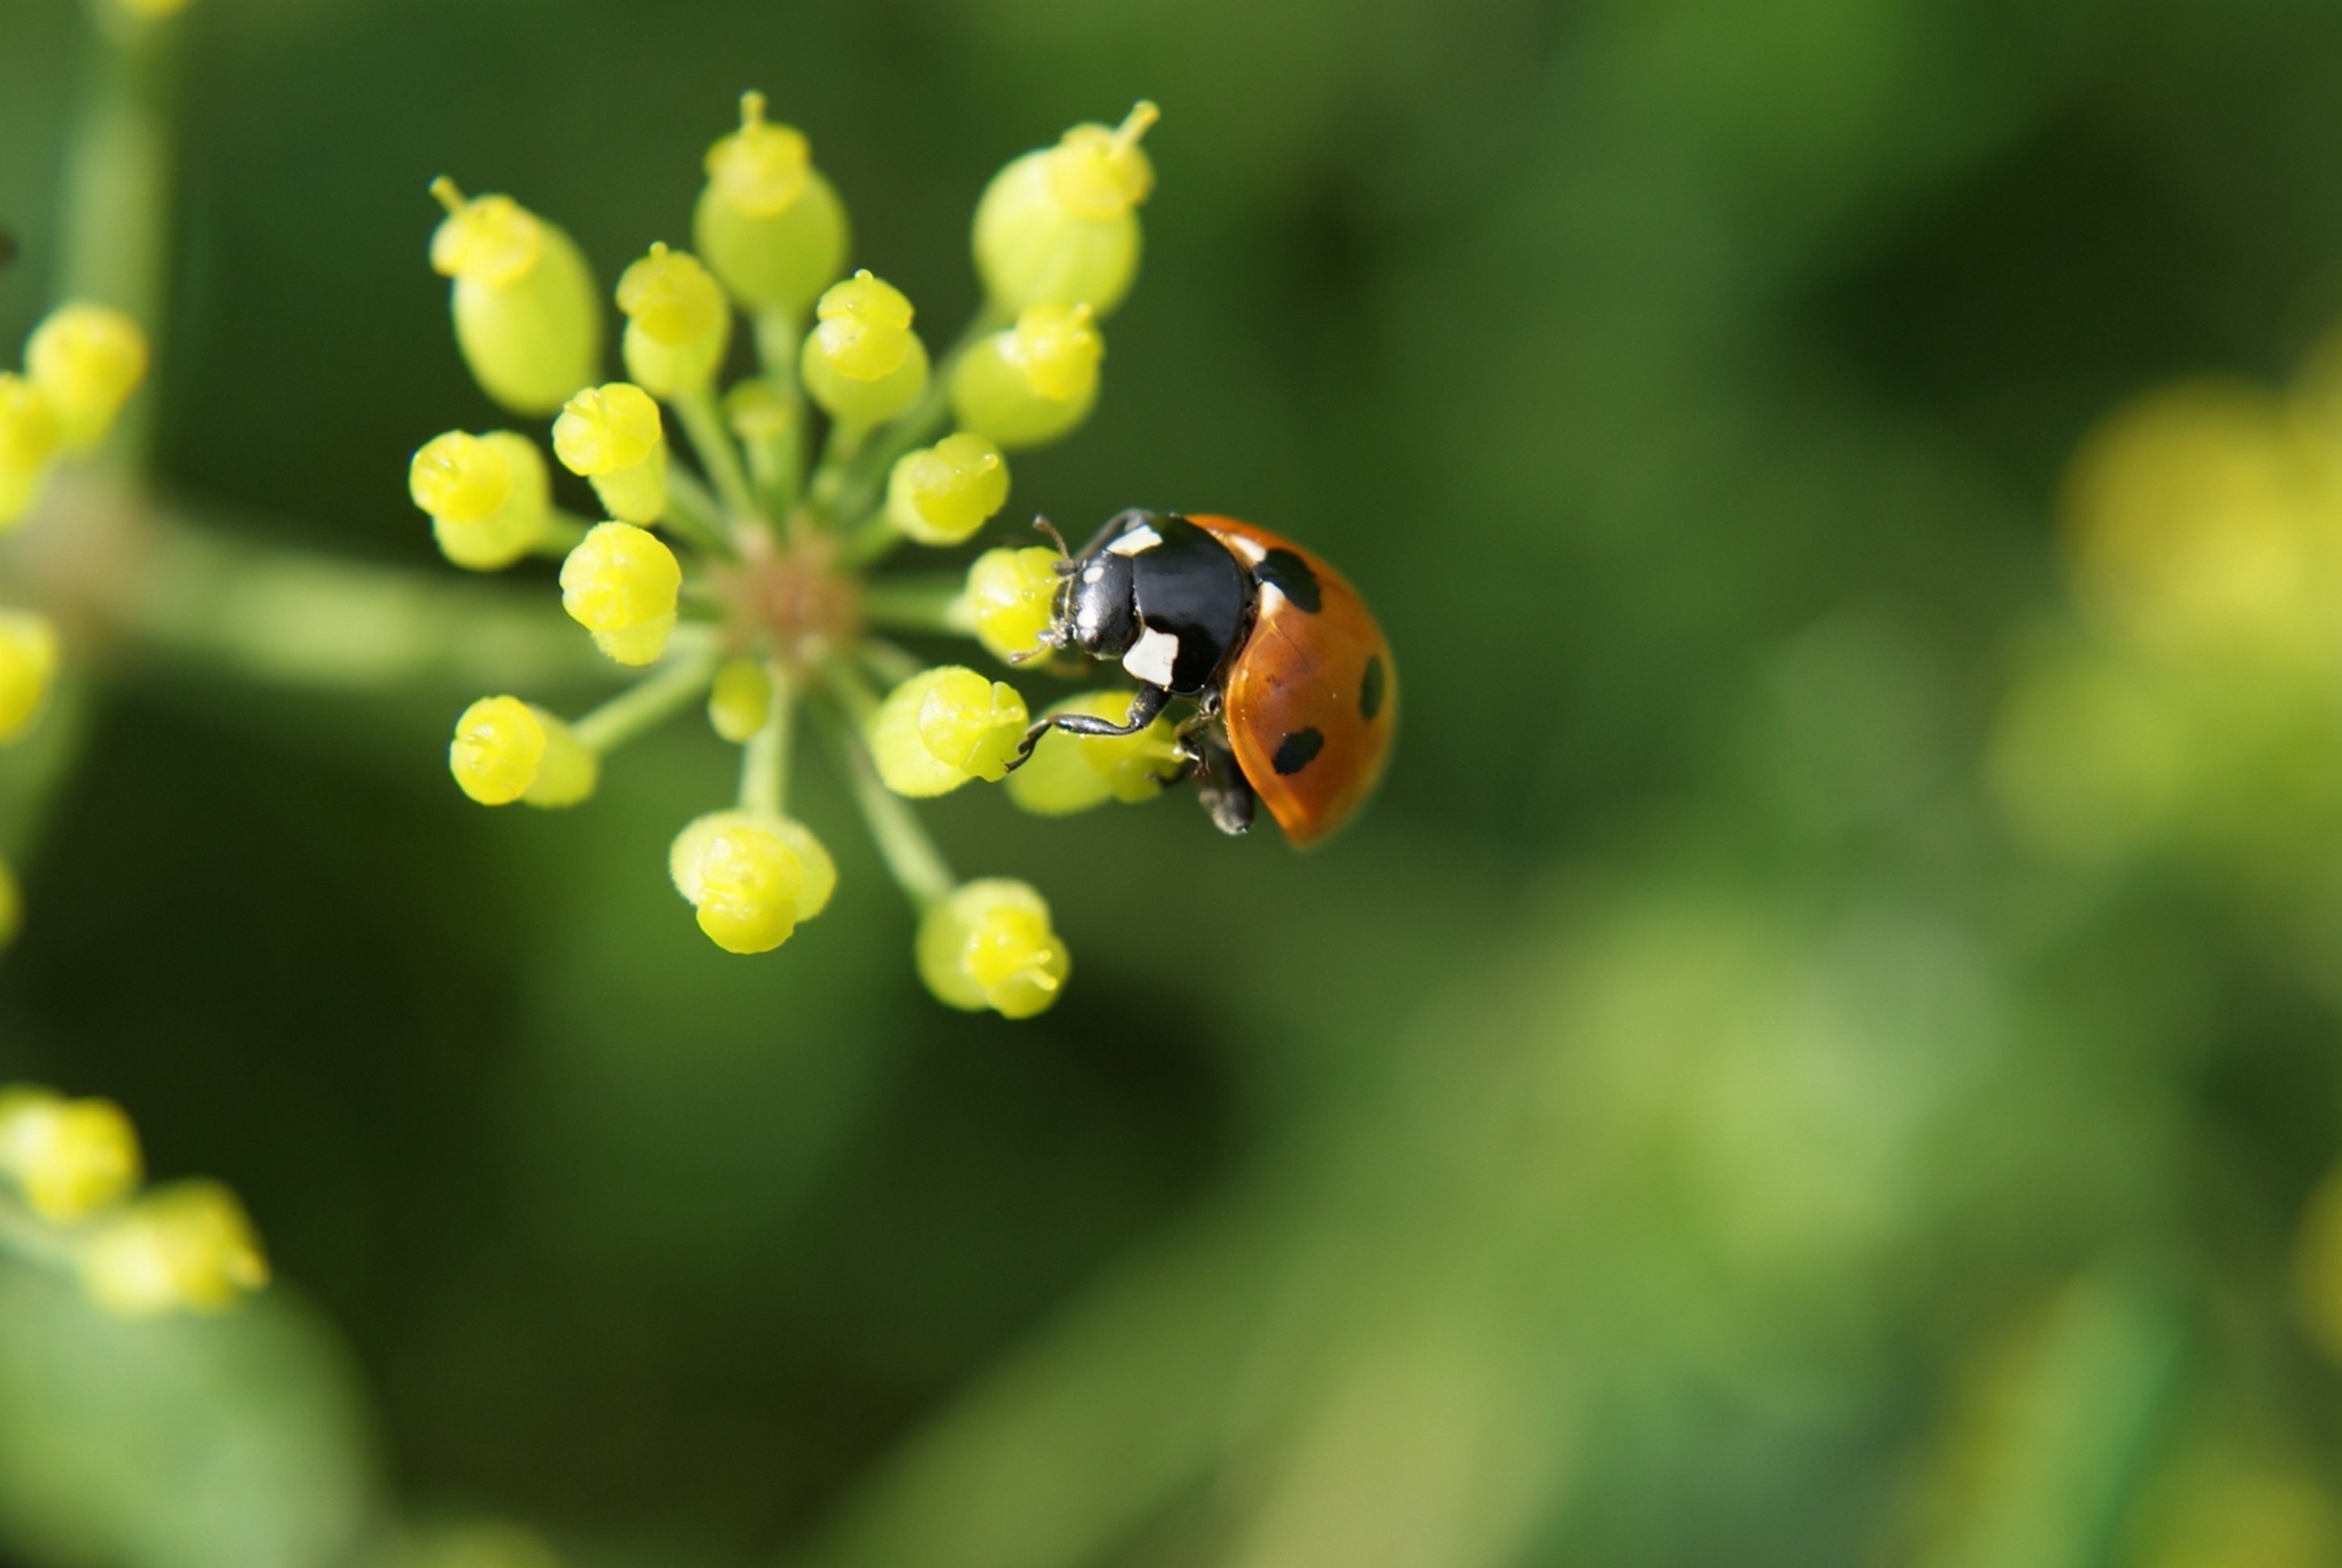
column 989, row 945
column 677, row 322
column 505, row 750
column 752, row 877
column 1060, row 225
column 620, row 584
column 767, row 222
column 86, row 359
column 944, row 727
column 863, row 363
column 613, row 436
column 30, row 434
column 155, row 10
column 186, row 1246
column 1068, row 774
column 489, row 497
column 1012, row 595
column 28, row 668
column 526, row 309
column 741, row 701
column 942, row 495
column 2090, row 757
column 69, row 1157
column 1033, row 383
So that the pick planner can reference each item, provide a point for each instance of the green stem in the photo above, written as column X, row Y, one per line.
column 935, row 603
column 648, row 705
column 890, row 661
column 717, row 455
column 691, row 514
column 912, row 858
column 780, row 462
column 23, row 1233
column 564, row 532
column 115, row 226
column 765, row 760
column 829, row 475
column 870, row 541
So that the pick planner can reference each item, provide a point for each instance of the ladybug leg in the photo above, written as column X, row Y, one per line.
column 1145, row 705
column 1220, row 785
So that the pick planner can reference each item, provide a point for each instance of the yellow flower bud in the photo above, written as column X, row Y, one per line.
column 677, row 322
column 30, row 434
column 12, row 907
column 620, row 584
column 943, row 727
column 1060, row 225
column 1033, row 383
column 1068, row 774
column 612, row 436
column 863, row 363
column 186, row 1246
column 155, row 10
column 488, row 496
column 505, row 750
column 28, row 664
column 1013, row 596
column 86, row 360
column 989, row 945
column 741, row 701
column 70, row 1158
column 752, row 876
column 527, row 314
column 767, row 222
column 941, row 494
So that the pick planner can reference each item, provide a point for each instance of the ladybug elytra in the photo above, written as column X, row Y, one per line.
column 1296, row 695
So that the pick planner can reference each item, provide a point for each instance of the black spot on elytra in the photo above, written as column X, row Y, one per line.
column 1370, row 689
column 1293, row 578
column 1297, row 750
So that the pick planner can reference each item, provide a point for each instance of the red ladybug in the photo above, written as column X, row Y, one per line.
column 1295, row 695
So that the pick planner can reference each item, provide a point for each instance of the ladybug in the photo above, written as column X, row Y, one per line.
column 1295, row 695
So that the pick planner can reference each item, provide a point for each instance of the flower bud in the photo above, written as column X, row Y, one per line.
column 1012, row 597
column 989, row 945
column 1033, row 383
column 504, row 750
column 527, row 317
column 28, row 666
column 488, row 496
column 87, row 360
column 677, row 322
column 752, row 876
column 767, row 222
column 1060, row 225
column 70, row 1158
column 30, row 434
column 612, row 436
column 1068, row 774
column 186, row 1246
column 943, row 727
column 620, row 584
column 155, row 10
column 741, row 701
column 863, row 363
column 941, row 494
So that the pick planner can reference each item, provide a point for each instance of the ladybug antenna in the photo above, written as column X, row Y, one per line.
column 1064, row 556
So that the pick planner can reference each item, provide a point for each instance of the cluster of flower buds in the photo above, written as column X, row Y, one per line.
column 80, row 366
column 741, row 570
column 73, row 1167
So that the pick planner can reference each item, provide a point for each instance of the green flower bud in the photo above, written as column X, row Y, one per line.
column 30, row 434
column 612, row 436
column 526, row 316
column 944, row 727
column 1012, row 597
column 941, row 494
column 677, row 322
column 863, row 363
column 767, row 222
column 1068, row 774
column 741, row 701
column 989, row 945
column 1060, row 225
column 488, row 496
column 1033, row 383
column 753, row 877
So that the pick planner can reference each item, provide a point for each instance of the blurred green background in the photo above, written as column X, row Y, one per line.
column 1692, row 1119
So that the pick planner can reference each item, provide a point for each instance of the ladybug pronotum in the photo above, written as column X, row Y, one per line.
column 1294, row 692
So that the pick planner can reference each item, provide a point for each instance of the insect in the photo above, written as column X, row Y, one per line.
column 1294, row 692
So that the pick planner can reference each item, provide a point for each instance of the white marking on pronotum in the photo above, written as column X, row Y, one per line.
column 1094, row 572
column 1246, row 550
column 1151, row 657
column 1137, row 542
